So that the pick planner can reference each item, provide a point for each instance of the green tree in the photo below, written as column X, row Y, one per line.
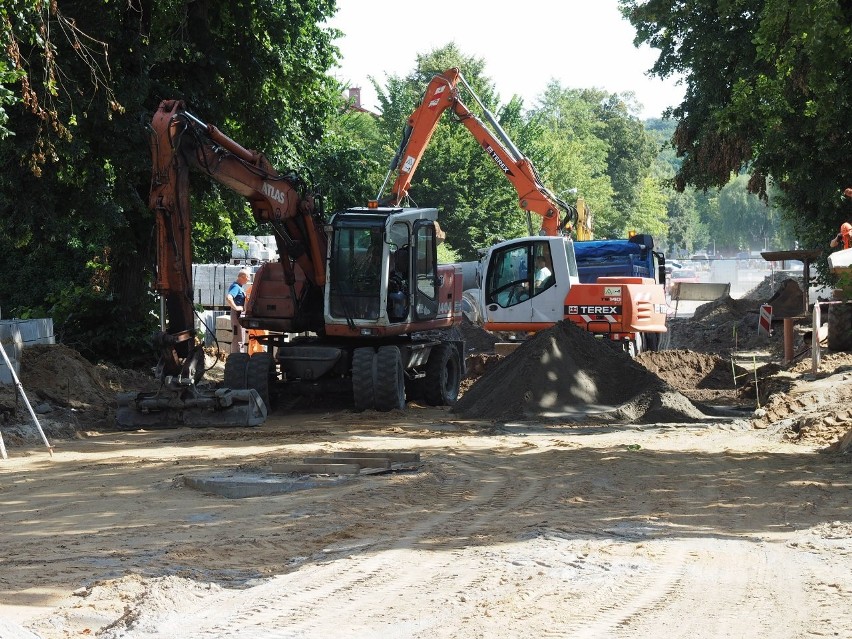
column 573, row 138
column 75, row 220
column 744, row 221
column 478, row 206
column 601, row 148
column 630, row 158
column 767, row 92
column 685, row 227
column 651, row 210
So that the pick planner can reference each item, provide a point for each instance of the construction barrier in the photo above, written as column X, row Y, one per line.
column 764, row 325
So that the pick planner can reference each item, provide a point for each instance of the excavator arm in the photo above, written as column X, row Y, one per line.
column 442, row 94
column 181, row 142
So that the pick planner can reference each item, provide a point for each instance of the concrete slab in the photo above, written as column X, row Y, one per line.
column 362, row 462
column 391, row 455
column 315, row 469
column 245, row 484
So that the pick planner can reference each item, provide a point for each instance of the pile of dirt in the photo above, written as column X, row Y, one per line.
column 61, row 376
column 476, row 338
column 726, row 326
column 687, row 370
column 723, row 326
column 564, row 367
column 68, row 393
column 711, row 379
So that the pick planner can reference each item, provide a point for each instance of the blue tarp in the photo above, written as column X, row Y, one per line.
column 599, row 258
column 605, row 248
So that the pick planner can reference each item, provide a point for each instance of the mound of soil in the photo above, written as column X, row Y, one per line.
column 68, row 393
column 723, row 326
column 727, row 325
column 476, row 338
column 563, row 367
column 687, row 370
column 62, row 376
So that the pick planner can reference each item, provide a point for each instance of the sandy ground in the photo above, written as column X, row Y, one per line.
column 732, row 526
column 715, row 529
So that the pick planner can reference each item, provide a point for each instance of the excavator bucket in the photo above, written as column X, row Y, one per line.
column 192, row 407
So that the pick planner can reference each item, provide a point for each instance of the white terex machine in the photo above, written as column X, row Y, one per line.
column 509, row 298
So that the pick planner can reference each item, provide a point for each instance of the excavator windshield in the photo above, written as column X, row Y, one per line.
column 383, row 267
column 357, row 261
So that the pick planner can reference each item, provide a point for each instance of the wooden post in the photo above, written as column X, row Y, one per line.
column 788, row 339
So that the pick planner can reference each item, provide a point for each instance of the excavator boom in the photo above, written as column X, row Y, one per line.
column 442, row 94
column 181, row 142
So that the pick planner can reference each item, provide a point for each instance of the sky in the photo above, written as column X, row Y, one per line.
column 525, row 44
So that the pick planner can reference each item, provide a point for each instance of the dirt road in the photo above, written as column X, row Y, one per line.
column 702, row 530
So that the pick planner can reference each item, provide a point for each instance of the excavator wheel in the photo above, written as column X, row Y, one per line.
column 652, row 341
column 363, row 378
column 840, row 327
column 390, row 379
column 259, row 368
column 235, row 370
column 413, row 389
column 443, row 375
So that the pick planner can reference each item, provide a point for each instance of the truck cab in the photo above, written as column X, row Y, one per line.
column 513, row 298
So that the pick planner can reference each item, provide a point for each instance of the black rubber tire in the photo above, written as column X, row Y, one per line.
column 840, row 327
column 652, row 342
column 390, row 379
column 413, row 390
column 259, row 368
column 363, row 380
column 443, row 376
column 235, row 370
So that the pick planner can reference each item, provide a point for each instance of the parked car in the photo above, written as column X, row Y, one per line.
column 682, row 275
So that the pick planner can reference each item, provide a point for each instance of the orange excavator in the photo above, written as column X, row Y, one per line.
column 529, row 283
column 363, row 289
column 442, row 94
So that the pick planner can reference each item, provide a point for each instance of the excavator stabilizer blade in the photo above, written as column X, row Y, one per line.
column 200, row 409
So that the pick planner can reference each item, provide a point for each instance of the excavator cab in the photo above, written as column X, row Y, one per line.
column 383, row 273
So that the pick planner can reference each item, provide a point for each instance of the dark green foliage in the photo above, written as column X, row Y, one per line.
column 768, row 91
column 74, row 218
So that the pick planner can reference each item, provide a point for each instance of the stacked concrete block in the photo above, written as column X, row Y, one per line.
column 254, row 249
column 211, row 282
column 15, row 335
column 246, row 248
column 224, row 332
column 207, row 322
column 10, row 338
column 35, row 331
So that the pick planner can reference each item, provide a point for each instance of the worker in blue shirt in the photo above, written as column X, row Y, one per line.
column 236, row 299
